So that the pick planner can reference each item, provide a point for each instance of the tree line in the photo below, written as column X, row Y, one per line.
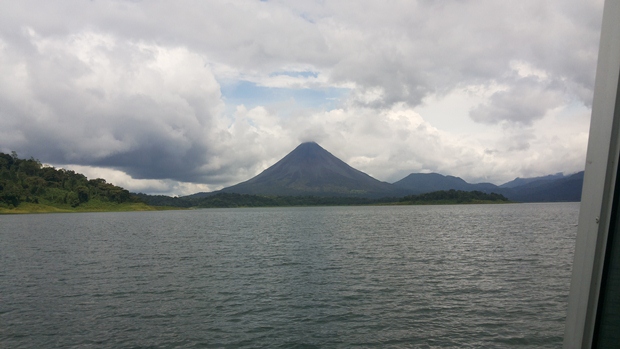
column 230, row 200
column 27, row 180
column 453, row 196
column 224, row 200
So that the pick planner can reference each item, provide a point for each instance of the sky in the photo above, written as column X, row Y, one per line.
column 179, row 97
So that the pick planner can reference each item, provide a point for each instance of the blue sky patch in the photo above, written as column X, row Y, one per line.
column 297, row 74
column 251, row 95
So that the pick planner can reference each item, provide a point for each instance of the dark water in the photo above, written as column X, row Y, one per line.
column 413, row 276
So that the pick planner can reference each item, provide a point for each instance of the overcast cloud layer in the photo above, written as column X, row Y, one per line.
column 187, row 96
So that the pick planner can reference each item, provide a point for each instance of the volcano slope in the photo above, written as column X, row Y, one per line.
column 311, row 170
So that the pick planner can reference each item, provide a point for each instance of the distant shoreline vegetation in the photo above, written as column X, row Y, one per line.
column 453, row 197
column 232, row 200
column 26, row 186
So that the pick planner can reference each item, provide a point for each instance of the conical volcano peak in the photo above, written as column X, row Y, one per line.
column 307, row 149
column 308, row 146
column 311, row 170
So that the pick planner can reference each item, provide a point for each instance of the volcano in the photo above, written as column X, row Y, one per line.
column 311, row 170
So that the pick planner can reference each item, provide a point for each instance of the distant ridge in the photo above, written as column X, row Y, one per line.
column 551, row 188
column 311, row 170
column 419, row 183
column 517, row 182
column 566, row 188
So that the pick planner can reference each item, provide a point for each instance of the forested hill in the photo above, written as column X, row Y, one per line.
column 28, row 181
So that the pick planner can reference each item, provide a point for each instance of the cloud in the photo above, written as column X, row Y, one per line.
column 152, row 186
column 211, row 93
column 92, row 99
column 523, row 102
column 406, row 49
column 410, row 50
column 397, row 141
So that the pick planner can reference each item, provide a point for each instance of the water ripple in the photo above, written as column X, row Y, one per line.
column 423, row 277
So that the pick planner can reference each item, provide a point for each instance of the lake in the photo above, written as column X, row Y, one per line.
column 315, row 277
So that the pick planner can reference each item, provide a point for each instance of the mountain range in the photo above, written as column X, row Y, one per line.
column 310, row 170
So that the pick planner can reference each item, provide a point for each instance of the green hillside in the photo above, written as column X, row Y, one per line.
column 28, row 186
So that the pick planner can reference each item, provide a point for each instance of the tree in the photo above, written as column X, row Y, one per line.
column 82, row 193
column 10, row 194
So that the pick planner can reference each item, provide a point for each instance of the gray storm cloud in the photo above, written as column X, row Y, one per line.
column 94, row 100
column 135, row 86
column 522, row 103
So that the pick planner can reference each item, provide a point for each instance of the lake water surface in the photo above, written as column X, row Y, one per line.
column 319, row 277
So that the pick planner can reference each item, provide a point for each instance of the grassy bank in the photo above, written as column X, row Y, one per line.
column 26, row 207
